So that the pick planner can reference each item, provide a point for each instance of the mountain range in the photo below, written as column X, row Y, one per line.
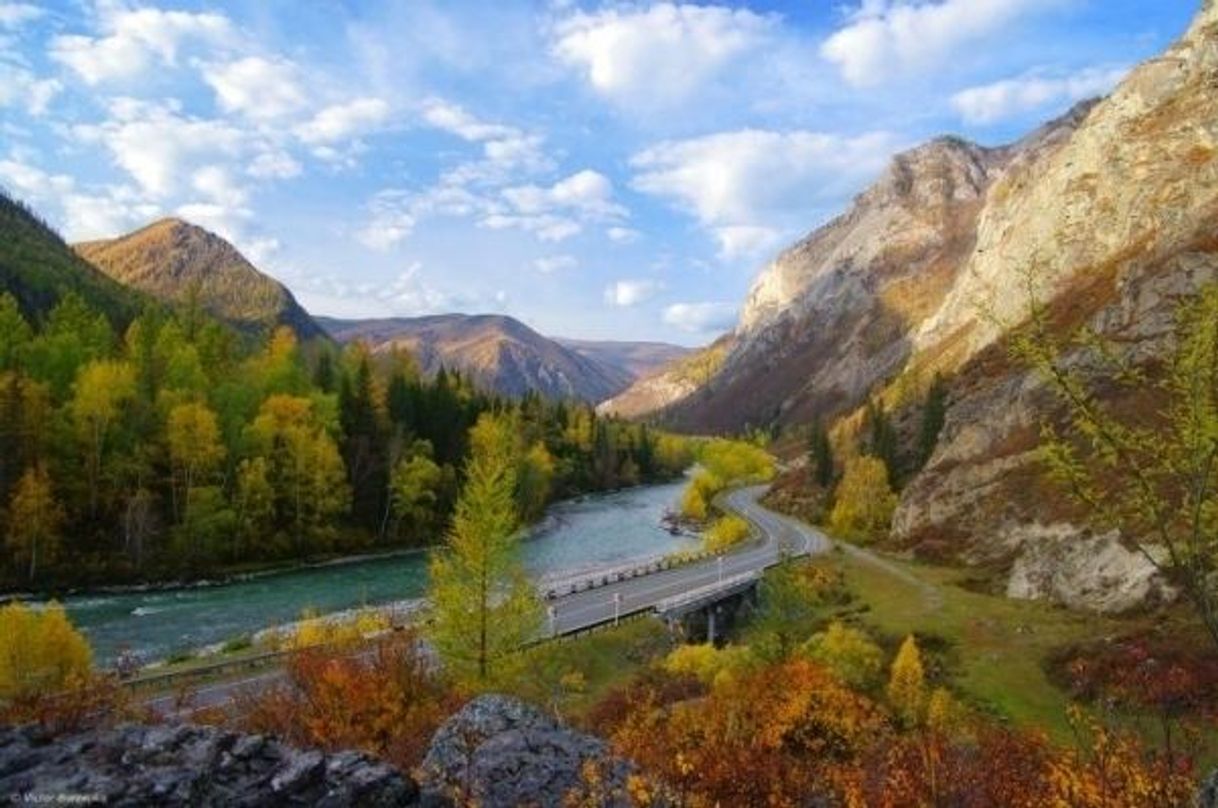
column 1105, row 216
column 503, row 354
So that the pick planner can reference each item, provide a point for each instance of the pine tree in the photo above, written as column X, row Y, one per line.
column 820, row 456
column 483, row 606
column 934, row 412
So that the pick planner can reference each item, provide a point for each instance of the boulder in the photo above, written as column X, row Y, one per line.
column 498, row 751
column 134, row 765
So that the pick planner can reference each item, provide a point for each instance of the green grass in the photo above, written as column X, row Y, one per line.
column 998, row 645
column 602, row 660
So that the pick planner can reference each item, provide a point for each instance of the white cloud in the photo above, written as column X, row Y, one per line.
column 454, row 119
column 587, row 192
column 135, row 40
column 273, row 164
column 889, row 38
column 392, row 222
column 555, row 263
column 743, row 240
column 622, row 235
column 411, row 295
column 661, row 54
column 29, row 181
column 990, row 103
column 83, row 215
column 628, row 293
column 158, row 146
column 21, row 88
column 260, row 89
column 14, row 15
column 701, row 318
column 505, row 148
column 556, row 212
column 747, row 186
column 344, row 121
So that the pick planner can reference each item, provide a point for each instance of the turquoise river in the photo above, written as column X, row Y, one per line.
column 593, row 532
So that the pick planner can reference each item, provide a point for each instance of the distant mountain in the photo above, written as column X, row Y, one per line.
column 669, row 384
column 639, row 359
column 38, row 268
column 500, row 353
column 174, row 260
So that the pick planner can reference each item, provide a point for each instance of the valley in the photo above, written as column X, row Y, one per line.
column 659, row 404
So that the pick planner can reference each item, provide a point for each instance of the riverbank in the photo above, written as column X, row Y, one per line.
column 578, row 536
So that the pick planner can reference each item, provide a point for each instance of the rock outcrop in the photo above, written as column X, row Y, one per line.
column 1112, row 230
column 134, row 765
column 1106, row 216
column 498, row 752
column 834, row 316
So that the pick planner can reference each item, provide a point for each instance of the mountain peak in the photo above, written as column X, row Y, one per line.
column 172, row 259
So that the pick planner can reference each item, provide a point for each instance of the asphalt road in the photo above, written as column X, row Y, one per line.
column 778, row 535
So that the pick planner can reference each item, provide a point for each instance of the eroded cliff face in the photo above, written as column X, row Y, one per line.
column 1114, row 230
column 833, row 317
column 1109, row 215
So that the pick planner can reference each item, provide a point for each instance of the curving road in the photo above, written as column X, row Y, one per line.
column 778, row 536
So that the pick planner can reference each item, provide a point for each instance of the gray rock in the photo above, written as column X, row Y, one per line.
column 1207, row 795
column 134, row 765
column 500, row 752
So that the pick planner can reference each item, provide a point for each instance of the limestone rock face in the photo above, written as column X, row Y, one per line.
column 1116, row 228
column 1106, row 216
column 135, row 765
column 498, row 752
column 832, row 317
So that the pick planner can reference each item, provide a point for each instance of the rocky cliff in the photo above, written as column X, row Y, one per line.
column 834, row 316
column 496, row 752
column 1112, row 230
column 176, row 261
column 1106, row 215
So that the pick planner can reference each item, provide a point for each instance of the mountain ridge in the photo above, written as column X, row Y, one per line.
column 499, row 352
column 175, row 261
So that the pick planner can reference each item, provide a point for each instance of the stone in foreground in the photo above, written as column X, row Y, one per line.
column 133, row 765
column 498, row 752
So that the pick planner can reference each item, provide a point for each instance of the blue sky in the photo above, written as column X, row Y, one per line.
column 601, row 170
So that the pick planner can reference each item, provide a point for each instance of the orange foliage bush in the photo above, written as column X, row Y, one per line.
column 386, row 701
column 793, row 734
column 767, row 738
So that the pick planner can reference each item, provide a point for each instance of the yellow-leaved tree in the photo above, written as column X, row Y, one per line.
column 483, row 606
column 864, row 500
column 34, row 521
column 849, row 653
column 40, row 652
column 907, row 683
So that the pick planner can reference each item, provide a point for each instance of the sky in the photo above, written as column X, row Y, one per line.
column 598, row 170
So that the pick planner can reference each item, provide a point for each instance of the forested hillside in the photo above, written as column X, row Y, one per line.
column 172, row 449
column 37, row 268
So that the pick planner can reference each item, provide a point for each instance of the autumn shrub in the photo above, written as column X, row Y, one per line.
column 848, row 652
column 775, row 736
column 864, row 501
column 705, row 662
column 387, row 701
column 725, row 533
column 40, row 652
